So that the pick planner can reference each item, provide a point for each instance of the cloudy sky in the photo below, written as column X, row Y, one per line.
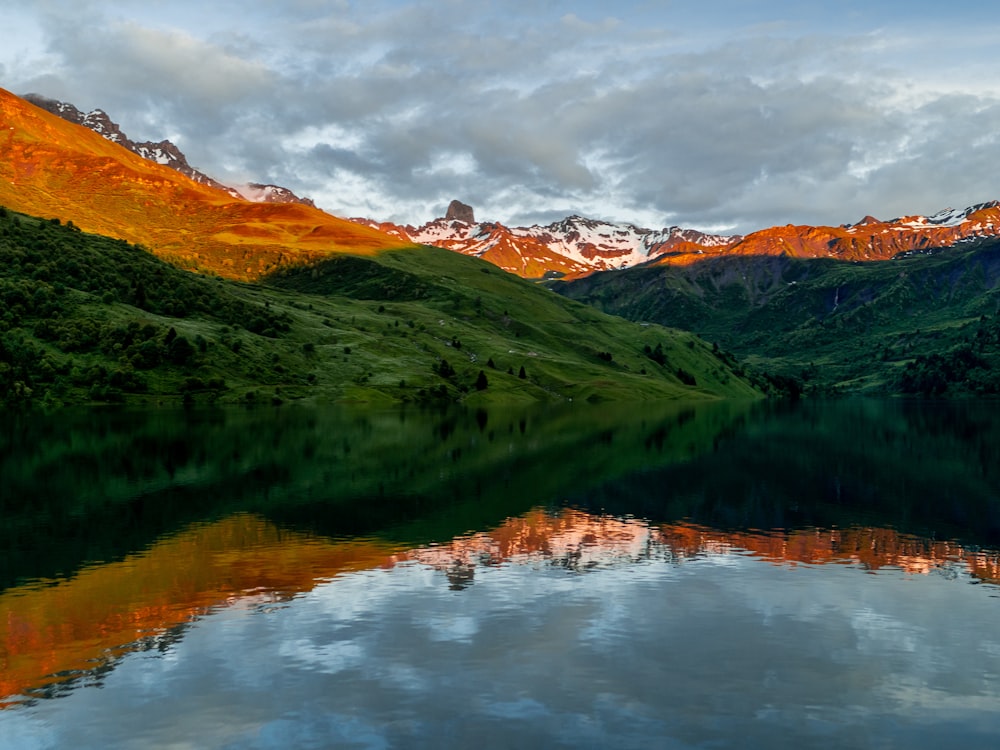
column 718, row 114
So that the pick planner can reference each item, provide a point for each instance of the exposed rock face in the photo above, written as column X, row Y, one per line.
column 458, row 211
column 574, row 246
column 872, row 239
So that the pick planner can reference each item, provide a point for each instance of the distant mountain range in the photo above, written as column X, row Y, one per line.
column 922, row 323
column 572, row 247
column 577, row 246
column 797, row 301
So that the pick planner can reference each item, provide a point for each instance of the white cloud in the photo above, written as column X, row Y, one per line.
column 392, row 109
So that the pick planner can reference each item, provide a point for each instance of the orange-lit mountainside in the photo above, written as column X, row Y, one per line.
column 54, row 168
column 162, row 152
column 577, row 246
column 55, row 632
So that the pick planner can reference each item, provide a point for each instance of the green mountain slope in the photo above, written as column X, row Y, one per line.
column 920, row 324
column 86, row 318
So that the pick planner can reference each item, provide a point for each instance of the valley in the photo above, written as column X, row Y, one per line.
column 923, row 324
column 457, row 374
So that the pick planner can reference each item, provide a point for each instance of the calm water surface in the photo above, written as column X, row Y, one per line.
column 819, row 575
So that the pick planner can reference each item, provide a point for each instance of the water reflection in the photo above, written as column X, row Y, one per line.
column 63, row 634
column 95, row 486
column 58, row 632
column 736, row 574
column 579, row 631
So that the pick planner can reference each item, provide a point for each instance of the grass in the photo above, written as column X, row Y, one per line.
column 87, row 318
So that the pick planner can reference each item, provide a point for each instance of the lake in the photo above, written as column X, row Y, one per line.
column 730, row 575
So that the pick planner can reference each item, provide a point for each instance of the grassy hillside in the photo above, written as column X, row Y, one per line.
column 924, row 324
column 86, row 318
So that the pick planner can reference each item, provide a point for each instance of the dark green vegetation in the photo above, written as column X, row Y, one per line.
column 924, row 324
column 86, row 318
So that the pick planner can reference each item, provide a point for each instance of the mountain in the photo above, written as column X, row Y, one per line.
column 259, row 193
column 576, row 246
column 923, row 322
column 162, row 152
column 54, row 168
column 572, row 247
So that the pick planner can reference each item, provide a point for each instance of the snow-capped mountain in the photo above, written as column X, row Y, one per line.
column 577, row 246
column 162, row 152
column 874, row 239
column 571, row 247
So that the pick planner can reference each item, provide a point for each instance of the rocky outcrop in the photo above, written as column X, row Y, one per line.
column 458, row 211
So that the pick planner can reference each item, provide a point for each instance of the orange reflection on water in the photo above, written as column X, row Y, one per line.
column 51, row 632
column 575, row 538
column 869, row 547
column 580, row 540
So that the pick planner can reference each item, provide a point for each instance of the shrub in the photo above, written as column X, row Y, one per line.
column 685, row 377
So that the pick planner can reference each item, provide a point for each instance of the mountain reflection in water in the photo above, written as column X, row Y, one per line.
column 110, row 555
column 51, row 634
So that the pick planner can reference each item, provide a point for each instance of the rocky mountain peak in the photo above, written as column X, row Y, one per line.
column 458, row 211
column 867, row 221
column 60, row 109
